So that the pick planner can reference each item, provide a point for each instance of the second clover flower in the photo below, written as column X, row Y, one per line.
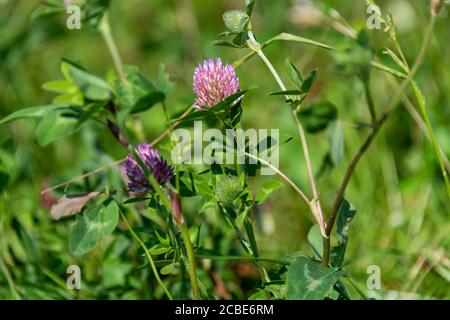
column 213, row 82
column 161, row 171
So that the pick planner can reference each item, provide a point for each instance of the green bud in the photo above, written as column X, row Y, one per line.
column 228, row 189
column 236, row 21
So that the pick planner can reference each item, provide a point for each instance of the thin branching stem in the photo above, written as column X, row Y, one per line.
column 316, row 207
column 105, row 30
column 293, row 38
column 365, row 146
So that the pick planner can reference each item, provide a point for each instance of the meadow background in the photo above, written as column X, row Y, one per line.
column 402, row 224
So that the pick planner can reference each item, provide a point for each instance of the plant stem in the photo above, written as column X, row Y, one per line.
column 282, row 175
column 369, row 99
column 316, row 207
column 191, row 261
column 249, row 246
column 105, row 30
column 352, row 165
column 148, row 255
column 326, row 251
column 294, row 38
column 251, row 236
column 238, row 232
column 183, row 227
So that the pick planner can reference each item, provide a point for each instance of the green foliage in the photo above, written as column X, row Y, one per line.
column 318, row 116
column 309, row 280
column 244, row 234
column 92, row 226
column 222, row 110
column 33, row 112
column 55, row 125
column 91, row 86
column 236, row 21
column 356, row 59
column 345, row 215
column 139, row 93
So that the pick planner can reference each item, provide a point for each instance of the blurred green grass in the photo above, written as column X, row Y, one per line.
column 402, row 223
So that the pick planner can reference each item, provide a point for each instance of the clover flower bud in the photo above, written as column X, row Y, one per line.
column 137, row 181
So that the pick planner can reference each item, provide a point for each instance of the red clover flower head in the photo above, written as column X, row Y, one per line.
column 213, row 82
column 137, row 181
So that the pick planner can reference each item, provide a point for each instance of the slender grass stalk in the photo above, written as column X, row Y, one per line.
column 356, row 287
column 369, row 99
column 148, row 255
column 105, row 30
column 10, row 281
column 191, row 260
column 251, row 236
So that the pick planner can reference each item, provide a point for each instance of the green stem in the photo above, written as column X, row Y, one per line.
column 294, row 38
column 184, row 231
column 251, row 237
column 249, row 246
column 242, row 240
column 10, row 281
column 105, row 30
column 148, row 255
column 369, row 99
column 434, row 142
column 191, row 261
column 326, row 251
column 316, row 208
